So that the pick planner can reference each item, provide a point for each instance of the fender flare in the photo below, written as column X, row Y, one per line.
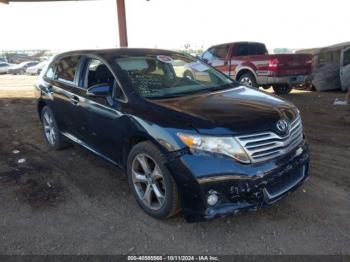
column 240, row 69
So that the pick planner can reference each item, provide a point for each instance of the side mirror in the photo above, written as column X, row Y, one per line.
column 100, row 90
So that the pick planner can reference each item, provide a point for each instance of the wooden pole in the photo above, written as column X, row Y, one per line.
column 123, row 36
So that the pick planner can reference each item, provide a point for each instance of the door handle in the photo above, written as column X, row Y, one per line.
column 75, row 100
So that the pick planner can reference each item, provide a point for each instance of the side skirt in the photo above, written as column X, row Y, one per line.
column 86, row 146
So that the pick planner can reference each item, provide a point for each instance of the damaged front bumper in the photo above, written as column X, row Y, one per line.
column 238, row 187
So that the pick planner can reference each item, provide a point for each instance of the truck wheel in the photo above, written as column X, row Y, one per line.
column 282, row 89
column 248, row 79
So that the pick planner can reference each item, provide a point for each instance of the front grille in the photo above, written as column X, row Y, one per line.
column 284, row 183
column 268, row 145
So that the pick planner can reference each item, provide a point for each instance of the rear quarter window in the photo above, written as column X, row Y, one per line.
column 50, row 72
column 66, row 68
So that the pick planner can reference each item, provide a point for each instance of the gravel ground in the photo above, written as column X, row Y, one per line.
column 71, row 202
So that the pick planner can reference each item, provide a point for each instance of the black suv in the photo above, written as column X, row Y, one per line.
column 203, row 144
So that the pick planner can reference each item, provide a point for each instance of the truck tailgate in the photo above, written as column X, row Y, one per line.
column 293, row 64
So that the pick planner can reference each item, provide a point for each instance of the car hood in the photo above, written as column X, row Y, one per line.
column 239, row 110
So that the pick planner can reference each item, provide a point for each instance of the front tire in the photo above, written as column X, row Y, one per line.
column 151, row 182
column 248, row 79
column 282, row 89
column 54, row 139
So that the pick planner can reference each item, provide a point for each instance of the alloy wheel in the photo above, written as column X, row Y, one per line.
column 49, row 128
column 246, row 81
column 148, row 181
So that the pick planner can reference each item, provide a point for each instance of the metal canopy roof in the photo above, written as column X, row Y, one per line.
column 123, row 37
column 8, row 1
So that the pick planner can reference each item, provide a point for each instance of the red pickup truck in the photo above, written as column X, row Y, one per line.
column 250, row 64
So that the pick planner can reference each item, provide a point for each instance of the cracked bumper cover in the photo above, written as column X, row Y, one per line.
column 239, row 187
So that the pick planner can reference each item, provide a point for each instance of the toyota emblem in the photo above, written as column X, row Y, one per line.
column 282, row 126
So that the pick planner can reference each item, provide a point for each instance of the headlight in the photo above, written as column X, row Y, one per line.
column 221, row 145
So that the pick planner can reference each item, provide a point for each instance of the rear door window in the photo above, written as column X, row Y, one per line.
column 242, row 50
column 66, row 68
column 260, row 49
column 252, row 49
column 256, row 49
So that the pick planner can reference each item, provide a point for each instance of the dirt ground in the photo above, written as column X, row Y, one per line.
column 70, row 202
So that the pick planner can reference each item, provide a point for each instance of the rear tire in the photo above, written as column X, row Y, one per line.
column 52, row 135
column 151, row 182
column 248, row 79
column 282, row 89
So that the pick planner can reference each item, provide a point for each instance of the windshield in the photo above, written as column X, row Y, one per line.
column 161, row 76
